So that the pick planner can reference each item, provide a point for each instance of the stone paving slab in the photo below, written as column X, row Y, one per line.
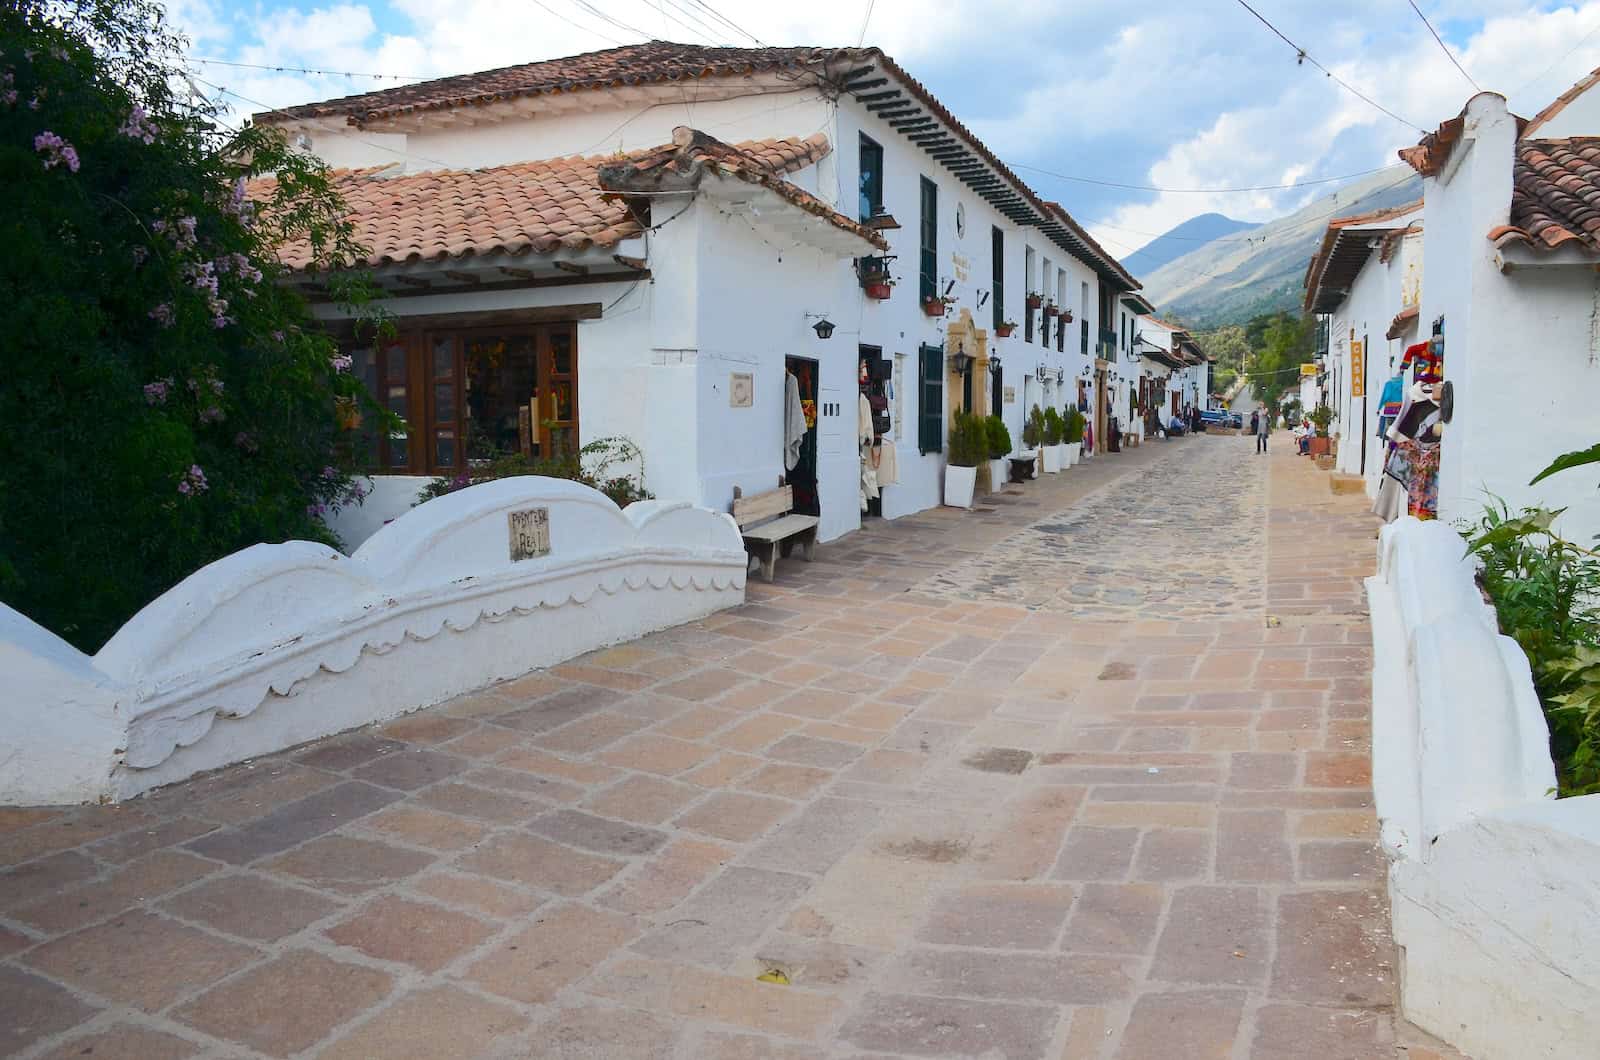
column 1081, row 774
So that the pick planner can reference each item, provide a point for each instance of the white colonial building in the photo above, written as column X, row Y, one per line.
column 1366, row 280
column 651, row 241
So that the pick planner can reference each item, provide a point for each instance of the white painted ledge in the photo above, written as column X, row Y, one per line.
column 279, row 644
column 1495, row 887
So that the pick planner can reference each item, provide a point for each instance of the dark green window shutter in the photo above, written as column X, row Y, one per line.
column 997, row 250
column 929, row 264
column 930, row 400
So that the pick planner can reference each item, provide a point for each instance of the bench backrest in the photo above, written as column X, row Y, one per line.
column 747, row 511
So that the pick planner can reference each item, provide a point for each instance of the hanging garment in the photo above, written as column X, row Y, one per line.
column 888, row 464
column 1394, row 392
column 1390, row 503
column 864, row 438
column 1422, row 491
column 794, row 421
column 1427, row 359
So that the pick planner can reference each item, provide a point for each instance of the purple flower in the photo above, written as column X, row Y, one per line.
column 341, row 362
column 156, row 393
column 317, row 509
column 277, row 336
column 162, row 314
column 139, row 126
column 211, row 415
column 56, row 150
column 193, row 481
column 330, row 472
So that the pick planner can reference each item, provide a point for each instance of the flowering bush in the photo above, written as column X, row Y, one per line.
column 166, row 402
column 605, row 464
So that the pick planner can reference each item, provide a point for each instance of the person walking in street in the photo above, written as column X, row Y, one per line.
column 1263, row 425
column 1255, row 421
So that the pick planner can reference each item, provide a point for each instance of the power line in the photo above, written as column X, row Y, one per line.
column 661, row 9
column 597, row 13
column 1205, row 191
column 587, row 29
column 281, row 69
column 1448, row 53
column 1541, row 74
column 1303, row 56
column 860, row 40
column 725, row 20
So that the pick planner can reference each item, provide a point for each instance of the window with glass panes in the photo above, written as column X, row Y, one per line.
column 997, row 251
column 929, row 265
column 469, row 395
column 871, row 178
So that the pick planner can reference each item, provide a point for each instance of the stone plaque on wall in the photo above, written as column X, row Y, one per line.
column 1010, row 395
column 530, row 533
column 741, row 390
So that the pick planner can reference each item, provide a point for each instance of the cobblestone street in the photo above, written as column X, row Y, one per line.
column 1082, row 774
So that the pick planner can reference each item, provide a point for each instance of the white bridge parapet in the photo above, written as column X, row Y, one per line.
column 279, row 644
column 1494, row 885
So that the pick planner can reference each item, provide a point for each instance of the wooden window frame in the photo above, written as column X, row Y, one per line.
column 928, row 241
column 869, row 148
column 930, row 399
column 997, row 254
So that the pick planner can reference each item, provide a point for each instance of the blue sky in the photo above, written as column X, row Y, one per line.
column 1184, row 95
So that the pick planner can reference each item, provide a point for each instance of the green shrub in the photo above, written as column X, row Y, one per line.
column 1052, row 426
column 595, row 465
column 167, row 401
column 1033, row 428
column 969, row 440
column 1072, row 426
column 999, row 438
column 1545, row 590
column 1321, row 416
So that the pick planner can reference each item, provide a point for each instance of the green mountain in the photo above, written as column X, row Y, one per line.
column 1181, row 240
column 1230, row 280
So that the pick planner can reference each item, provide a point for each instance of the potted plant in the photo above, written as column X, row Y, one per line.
column 968, row 444
column 1005, row 330
column 1066, row 316
column 1035, row 301
column 1072, row 432
column 1321, row 416
column 1033, row 436
column 1050, row 309
column 933, row 307
column 999, row 452
column 1052, row 440
column 873, row 271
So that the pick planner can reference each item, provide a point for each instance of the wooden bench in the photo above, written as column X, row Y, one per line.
column 770, row 527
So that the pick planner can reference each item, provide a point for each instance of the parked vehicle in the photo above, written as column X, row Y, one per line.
column 1221, row 418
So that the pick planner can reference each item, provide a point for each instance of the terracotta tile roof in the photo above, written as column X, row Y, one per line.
column 682, row 164
column 1555, row 195
column 1433, row 150
column 1334, row 266
column 653, row 62
column 658, row 62
column 1559, row 104
column 527, row 207
column 1403, row 321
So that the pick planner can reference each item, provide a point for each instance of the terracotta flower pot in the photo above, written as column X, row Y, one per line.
column 878, row 291
column 1005, row 330
column 933, row 307
column 1034, row 301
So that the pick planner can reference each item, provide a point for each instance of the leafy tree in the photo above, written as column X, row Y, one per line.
column 1230, row 349
column 1287, row 342
column 167, row 401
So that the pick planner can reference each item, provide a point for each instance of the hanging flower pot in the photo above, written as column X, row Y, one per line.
column 1066, row 316
column 1005, row 330
column 879, row 291
column 1035, row 301
column 1051, row 311
column 933, row 307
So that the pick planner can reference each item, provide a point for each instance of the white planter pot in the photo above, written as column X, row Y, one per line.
column 1052, row 458
column 1074, row 453
column 959, row 482
column 999, row 471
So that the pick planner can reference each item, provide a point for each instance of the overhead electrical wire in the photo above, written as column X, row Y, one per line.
column 1442, row 47
column 865, row 19
column 725, row 20
column 1303, row 56
column 617, row 22
column 1543, row 73
column 279, row 68
column 577, row 25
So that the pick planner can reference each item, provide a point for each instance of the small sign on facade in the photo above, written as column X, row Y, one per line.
column 530, row 533
column 1010, row 395
column 1308, row 371
column 741, row 390
column 1358, row 369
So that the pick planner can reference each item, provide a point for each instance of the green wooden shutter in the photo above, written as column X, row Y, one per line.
column 930, row 400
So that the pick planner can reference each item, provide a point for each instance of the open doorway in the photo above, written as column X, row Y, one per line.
column 803, row 476
column 873, row 371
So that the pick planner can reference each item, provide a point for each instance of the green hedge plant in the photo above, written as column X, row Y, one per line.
column 167, row 401
column 999, row 438
column 1052, row 426
column 1072, row 426
column 969, row 440
column 1033, row 428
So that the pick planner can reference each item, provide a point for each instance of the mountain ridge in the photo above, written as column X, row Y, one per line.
column 1230, row 282
column 1183, row 238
